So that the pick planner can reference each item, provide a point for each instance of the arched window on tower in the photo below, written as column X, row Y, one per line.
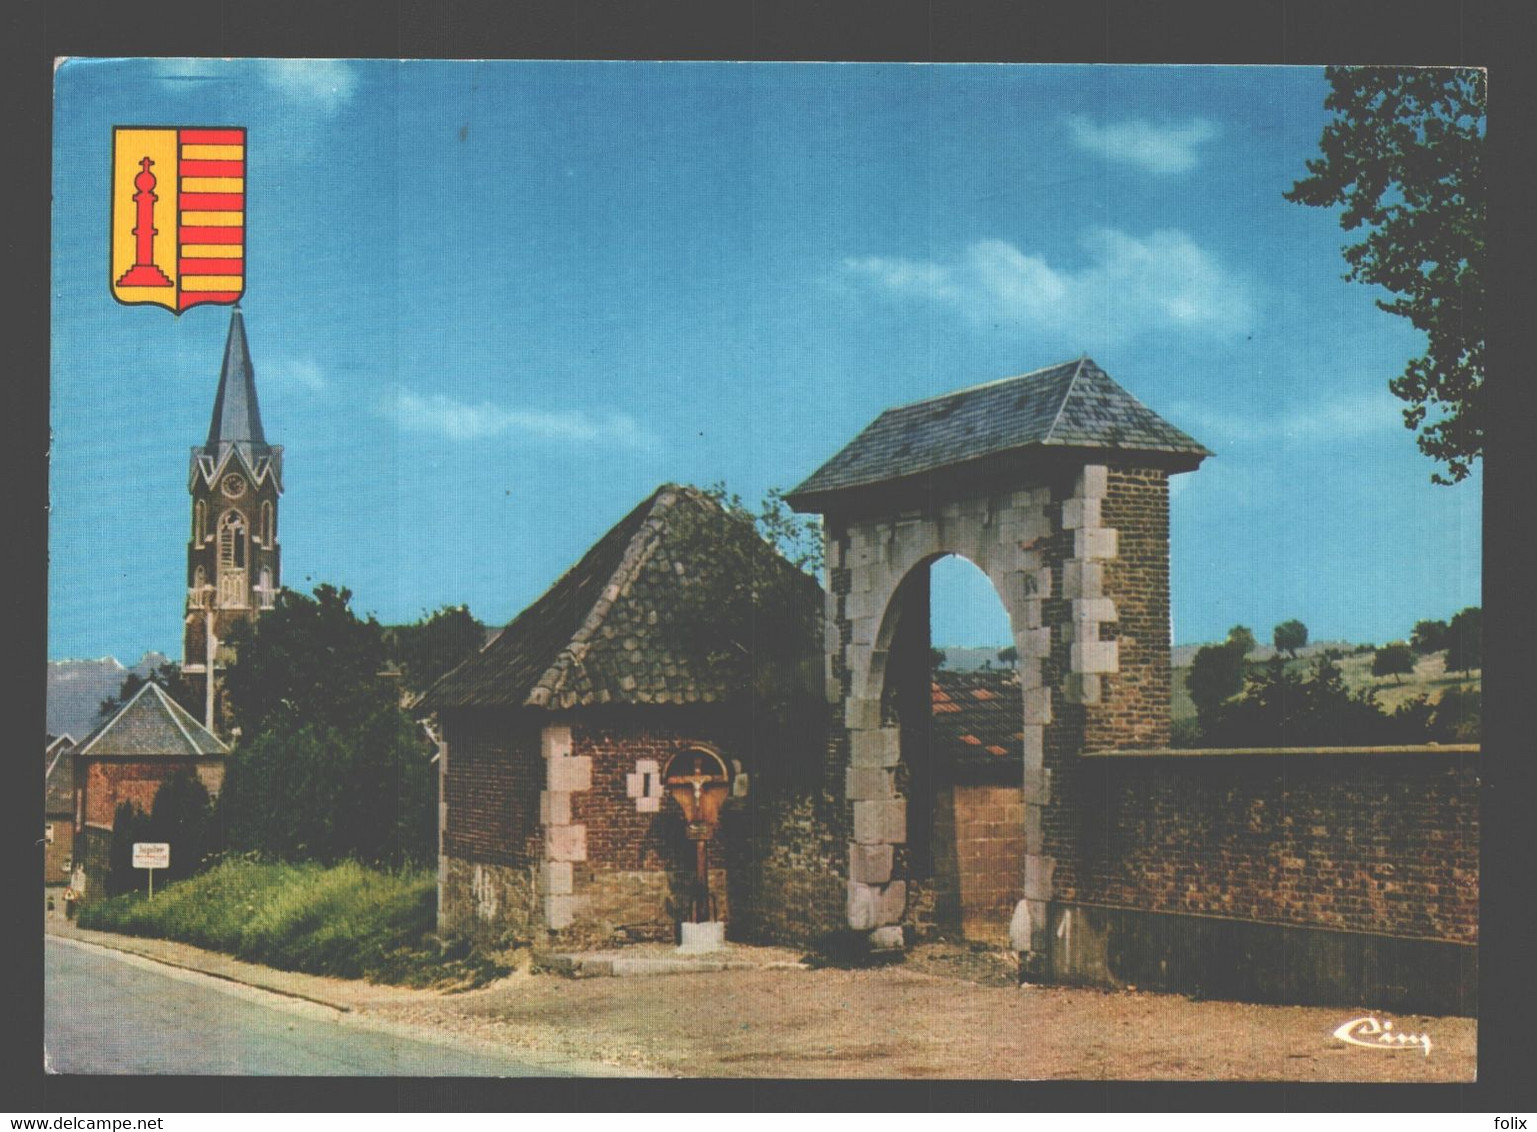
column 199, row 521
column 264, row 589
column 232, row 541
column 232, row 559
column 268, row 532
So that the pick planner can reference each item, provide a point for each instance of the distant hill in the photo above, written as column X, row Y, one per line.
column 77, row 687
column 958, row 659
column 1181, row 655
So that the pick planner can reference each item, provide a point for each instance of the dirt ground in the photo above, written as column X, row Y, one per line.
column 946, row 1012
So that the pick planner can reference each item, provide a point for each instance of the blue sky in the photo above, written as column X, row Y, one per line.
column 493, row 305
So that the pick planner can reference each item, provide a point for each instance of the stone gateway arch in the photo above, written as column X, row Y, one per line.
column 1055, row 485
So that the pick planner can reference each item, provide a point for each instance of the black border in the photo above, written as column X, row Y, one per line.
column 1472, row 32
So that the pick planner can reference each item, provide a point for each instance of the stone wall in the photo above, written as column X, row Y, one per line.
column 1065, row 554
column 1375, row 843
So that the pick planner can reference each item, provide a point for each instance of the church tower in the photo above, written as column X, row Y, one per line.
column 232, row 558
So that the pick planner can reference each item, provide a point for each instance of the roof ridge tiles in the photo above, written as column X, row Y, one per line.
column 1066, row 397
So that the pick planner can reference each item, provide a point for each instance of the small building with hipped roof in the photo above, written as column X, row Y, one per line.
column 556, row 737
column 142, row 745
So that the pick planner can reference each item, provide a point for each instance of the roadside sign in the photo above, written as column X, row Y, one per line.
column 151, row 855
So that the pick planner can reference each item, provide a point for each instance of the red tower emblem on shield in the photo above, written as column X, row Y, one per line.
column 178, row 215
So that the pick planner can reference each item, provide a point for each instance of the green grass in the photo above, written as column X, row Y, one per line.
column 344, row 920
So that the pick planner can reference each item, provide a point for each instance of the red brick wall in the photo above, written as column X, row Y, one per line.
column 990, row 853
column 110, row 783
column 1134, row 705
column 495, row 774
column 622, row 840
column 1373, row 843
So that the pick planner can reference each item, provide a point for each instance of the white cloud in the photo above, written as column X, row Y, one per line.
column 325, row 84
column 1151, row 147
column 1162, row 281
column 296, row 373
column 1352, row 416
column 457, row 420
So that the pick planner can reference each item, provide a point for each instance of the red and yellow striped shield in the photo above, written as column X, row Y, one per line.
column 178, row 215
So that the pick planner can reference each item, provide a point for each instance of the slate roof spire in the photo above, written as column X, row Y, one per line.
column 237, row 419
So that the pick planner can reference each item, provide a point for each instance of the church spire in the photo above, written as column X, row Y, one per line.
column 236, row 417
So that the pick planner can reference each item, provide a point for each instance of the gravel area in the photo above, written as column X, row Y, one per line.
column 946, row 1012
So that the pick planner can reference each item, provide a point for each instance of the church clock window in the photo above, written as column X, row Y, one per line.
column 233, row 486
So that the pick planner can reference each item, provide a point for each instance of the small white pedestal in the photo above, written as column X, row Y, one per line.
column 697, row 938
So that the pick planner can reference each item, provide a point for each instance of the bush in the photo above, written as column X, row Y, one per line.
column 347, row 920
column 1216, row 675
column 1279, row 708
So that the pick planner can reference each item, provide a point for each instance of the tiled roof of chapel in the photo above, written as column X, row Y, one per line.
column 1072, row 405
column 614, row 629
column 151, row 725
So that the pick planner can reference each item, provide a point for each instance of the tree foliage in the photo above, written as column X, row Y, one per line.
column 183, row 816
column 1241, row 637
column 938, row 658
column 169, row 676
column 1009, row 657
column 1395, row 659
column 1282, row 707
column 431, row 646
column 1428, row 637
column 1404, row 155
column 307, row 661
column 327, row 766
column 1216, row 675
column 1465, row 640
column 1289, row 636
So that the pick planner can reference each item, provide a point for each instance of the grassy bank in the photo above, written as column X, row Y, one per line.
column 344, row 920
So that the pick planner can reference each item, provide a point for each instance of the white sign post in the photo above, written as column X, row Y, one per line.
column 151, row 855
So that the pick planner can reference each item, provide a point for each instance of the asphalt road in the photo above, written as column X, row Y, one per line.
column 109, row 1013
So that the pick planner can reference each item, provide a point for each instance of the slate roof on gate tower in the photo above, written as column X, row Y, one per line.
column 1072, row 405
column 605, row 632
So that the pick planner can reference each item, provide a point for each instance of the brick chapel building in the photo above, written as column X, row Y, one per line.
column 127, row 758
column 557, row 735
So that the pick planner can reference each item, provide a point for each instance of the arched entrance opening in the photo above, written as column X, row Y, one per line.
column 951, row 687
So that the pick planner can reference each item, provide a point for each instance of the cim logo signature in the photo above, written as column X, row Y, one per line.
column 1369, row 1033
